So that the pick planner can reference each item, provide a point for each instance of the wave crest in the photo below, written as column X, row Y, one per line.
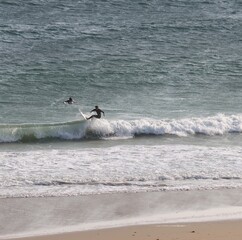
column 102, row 128
column 216, row 125
column 34, row 132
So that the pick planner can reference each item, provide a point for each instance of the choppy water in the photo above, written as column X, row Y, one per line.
column 166, row 73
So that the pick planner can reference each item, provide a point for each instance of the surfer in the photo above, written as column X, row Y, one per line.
column 98, row 111
column 69, row 101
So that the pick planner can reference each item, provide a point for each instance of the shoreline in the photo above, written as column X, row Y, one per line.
column 215, row 230
column 52, row 216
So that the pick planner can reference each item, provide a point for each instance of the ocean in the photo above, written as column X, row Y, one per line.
column 167, row 74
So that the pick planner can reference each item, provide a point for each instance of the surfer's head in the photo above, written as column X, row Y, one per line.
column 96, row 107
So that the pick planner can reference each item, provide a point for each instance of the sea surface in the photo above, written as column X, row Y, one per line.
column 167, row 74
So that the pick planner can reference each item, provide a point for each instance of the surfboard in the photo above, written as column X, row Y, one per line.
column 83, row 115
column 65, row 102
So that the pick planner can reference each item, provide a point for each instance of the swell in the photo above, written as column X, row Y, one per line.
column 35, row 132
column 98, row 129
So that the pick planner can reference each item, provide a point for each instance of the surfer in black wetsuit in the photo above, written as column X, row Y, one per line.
column 69, row 101
column 98, row 111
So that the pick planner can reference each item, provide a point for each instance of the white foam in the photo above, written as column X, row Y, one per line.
column 119, row 169
column 102, row 128
column 217, row 125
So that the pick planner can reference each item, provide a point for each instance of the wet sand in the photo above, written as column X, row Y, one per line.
column 224, row 230
column 136, row 215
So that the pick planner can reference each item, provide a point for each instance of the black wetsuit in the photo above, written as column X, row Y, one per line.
column 69, row 101
column 98, row 111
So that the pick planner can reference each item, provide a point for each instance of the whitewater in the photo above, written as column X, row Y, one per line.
column 108, row 129
column 108, row 156
column 120, row 168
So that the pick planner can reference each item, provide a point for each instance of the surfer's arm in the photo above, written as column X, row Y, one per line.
column 103, row 113
column 93, row 110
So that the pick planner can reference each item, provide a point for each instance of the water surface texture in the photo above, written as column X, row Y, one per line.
column 167, row 74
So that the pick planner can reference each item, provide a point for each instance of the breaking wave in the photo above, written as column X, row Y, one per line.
column 102, row 128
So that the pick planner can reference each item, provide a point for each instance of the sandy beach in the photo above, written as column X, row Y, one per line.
column 178, row 215
column 223, row 230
